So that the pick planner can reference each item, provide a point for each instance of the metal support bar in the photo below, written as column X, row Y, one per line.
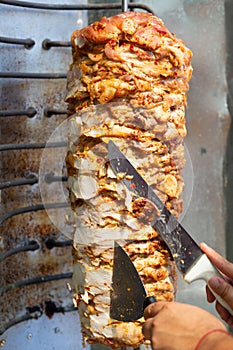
column 52, row 243
column 31, row 208
column 21, row 75
column 31, row 246
column 49, row 178
column 13, row 147
column 75, row 6
column 31, row 181
column 49, row 112
column 29, row 112
column 35, row 281
column 124, row 7
column 35, row 314
column 27, row 43
column 47, row 44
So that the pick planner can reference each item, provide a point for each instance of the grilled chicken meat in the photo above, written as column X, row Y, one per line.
column 128, row 82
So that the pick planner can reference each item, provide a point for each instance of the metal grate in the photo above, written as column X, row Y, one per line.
column 79, row 7
column 35, row 257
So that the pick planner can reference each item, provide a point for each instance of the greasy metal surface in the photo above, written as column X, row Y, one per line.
column 34, row 276
column 125, row 5
column 60, row 332
column 204, row 25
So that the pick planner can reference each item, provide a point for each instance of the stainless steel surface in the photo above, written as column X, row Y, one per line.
column 204, row 25
column 60, row 332
column 36, row 259
column 124, row 5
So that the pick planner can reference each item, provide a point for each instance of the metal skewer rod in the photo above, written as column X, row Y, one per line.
column 124, row 5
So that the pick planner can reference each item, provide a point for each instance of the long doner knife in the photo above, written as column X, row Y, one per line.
column 189, row 258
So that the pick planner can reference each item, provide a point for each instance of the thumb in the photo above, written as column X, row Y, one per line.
column 222, row 288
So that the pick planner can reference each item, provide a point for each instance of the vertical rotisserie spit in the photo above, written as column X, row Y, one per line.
column 128, row 82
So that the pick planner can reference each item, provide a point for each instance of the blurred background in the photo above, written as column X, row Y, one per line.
column 35, row 254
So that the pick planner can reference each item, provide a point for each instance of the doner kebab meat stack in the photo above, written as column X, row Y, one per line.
column 128, row 83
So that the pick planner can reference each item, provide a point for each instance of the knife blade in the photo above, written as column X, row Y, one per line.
column 128, row 295
column 189, row 258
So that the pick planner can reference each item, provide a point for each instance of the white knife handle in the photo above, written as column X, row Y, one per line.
column 204, row 270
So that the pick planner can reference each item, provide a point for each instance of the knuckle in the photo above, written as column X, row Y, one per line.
column 226, row 291
column 154, row 323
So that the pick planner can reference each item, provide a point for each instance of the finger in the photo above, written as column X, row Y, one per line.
column 220, row 262
column 147, row 328
column 222, row 288
column 210, row 297
column 224, row 314
column 153, row 309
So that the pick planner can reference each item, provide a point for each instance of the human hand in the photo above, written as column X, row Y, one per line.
column 222, row 287
column 177, row 326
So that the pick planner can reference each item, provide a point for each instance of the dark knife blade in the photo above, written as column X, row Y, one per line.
column 184, row 249
column 128, row 294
